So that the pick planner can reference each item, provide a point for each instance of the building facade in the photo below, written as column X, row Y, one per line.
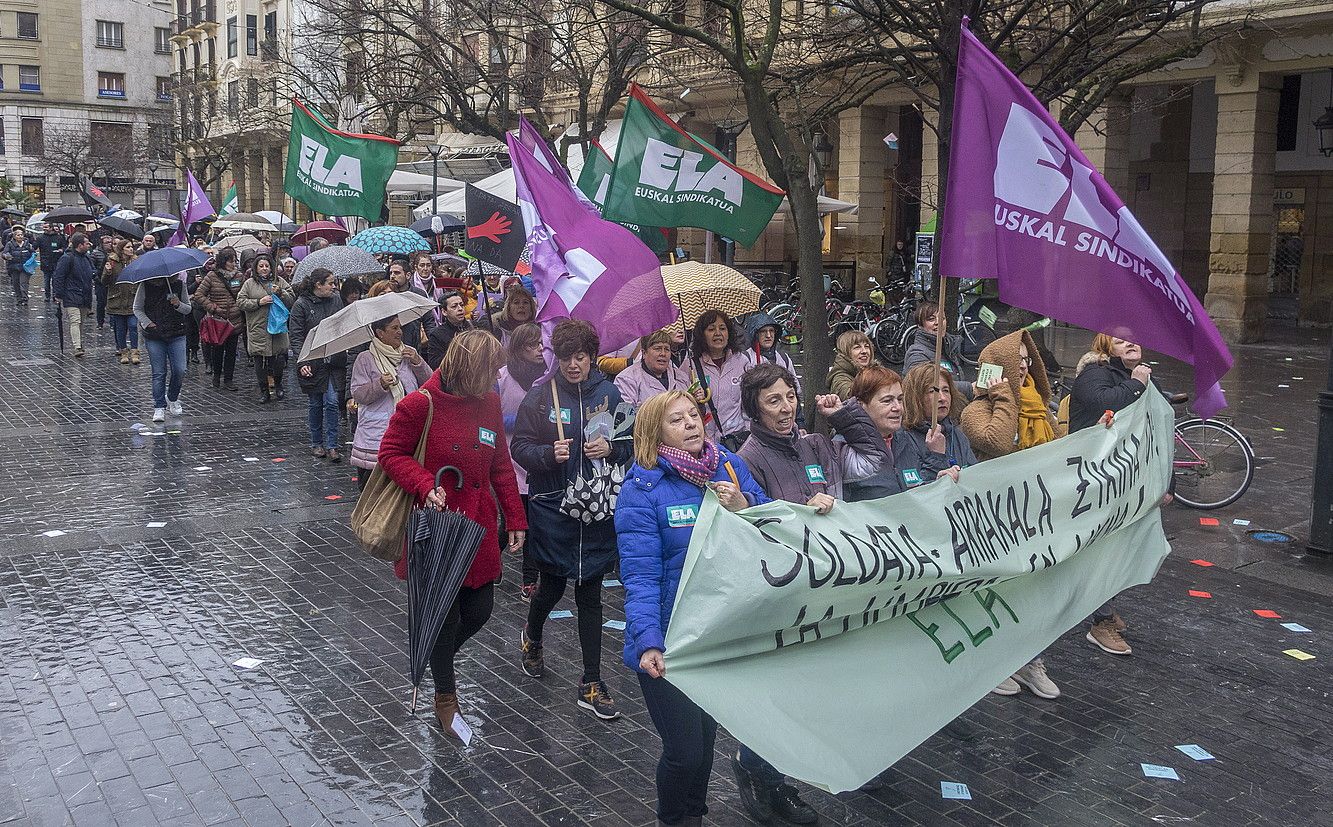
column 85, row 90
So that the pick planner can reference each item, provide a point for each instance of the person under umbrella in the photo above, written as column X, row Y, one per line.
column 467, row 432
column 256, row 299
column 120, row 301
column 217, row 294
column 381, row 376
column 161, row 305
column 18, row 249
column 453, row 322
column 321, row 379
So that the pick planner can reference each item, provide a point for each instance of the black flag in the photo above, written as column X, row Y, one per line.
column 93, row 195
column 495, row 232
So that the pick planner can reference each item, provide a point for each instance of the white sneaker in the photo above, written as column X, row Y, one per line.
column 1033, row 676
column 1008, row 686
column 159, row 414
column 174, row 408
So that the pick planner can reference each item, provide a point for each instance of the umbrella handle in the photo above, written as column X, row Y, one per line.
column 457, row 473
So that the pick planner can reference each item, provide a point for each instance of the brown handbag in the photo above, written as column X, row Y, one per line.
column 379, row 520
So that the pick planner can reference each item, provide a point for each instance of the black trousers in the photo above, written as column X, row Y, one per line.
column 99, row 291
column 686, row 764
column 588, row 600
column 222, row 359
column 266, row 366
column 469, row 612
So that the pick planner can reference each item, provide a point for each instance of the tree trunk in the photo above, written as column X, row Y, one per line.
column 817, row 347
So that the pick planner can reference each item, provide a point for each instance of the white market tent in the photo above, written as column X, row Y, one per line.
column 404, row 182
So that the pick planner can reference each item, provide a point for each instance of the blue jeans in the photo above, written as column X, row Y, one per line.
column 126, row 329
column 324, row 417
column 163, row 355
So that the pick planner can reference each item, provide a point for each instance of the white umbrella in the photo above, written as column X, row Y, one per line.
column 241, row 243
column 274, row 217
column 35, row 222
column 128, row 215
column 245, row 222
column 350, row 326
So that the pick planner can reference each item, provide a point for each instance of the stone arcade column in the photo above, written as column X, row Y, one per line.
column 861, row 161
column 1242, row 223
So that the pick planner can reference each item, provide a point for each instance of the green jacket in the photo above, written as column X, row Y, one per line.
column 257, row 338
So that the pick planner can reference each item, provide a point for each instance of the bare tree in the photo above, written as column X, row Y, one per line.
column 474, row 64
column 77, row 151
column 792, row 67
column 1071, row 52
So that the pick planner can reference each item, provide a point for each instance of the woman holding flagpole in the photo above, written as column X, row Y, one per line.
column 1011, row 414
column 718, row 360
column 673, row 463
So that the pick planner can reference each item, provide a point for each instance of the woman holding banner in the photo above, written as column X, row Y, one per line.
column 1011, row 414
column 673, row 463
column 1109, row 377
column 907, row 464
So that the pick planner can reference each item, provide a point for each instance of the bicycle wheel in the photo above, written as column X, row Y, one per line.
column 891, row 337
column 1213, row 464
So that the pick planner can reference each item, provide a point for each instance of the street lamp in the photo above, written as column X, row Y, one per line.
column 1324, row 124
column 1321, row 517
column 435, row 150
column 152, row 183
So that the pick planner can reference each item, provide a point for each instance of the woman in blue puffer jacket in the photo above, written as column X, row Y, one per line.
column 655, row 517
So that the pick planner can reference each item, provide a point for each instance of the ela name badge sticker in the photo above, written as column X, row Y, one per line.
column 682, row 516
column 486, row 437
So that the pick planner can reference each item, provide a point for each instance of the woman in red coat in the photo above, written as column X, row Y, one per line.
column 467, row 432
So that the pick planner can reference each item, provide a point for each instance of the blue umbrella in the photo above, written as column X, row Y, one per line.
column 398, row 240
column 163, row 263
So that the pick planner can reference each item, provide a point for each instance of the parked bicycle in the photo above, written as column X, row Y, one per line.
column 1213, row 464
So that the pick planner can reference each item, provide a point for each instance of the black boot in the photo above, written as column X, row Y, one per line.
column 262, row 376
column 217, row 380
column 755, row 795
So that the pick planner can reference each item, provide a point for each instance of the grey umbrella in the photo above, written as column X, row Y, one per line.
column 441, row 546
column 345, row 262
column 350, row 326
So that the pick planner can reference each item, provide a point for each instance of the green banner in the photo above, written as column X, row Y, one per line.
column 664, row 177
column 833, row 645
column 337, row 173
column 595, row 179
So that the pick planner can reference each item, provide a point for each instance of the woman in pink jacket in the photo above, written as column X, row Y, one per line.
column 526, row 365
column 381, row 376
column 653, row 373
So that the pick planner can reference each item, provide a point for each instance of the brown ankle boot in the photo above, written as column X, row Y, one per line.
column 446, row 705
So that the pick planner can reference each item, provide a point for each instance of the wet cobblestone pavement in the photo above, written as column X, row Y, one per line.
column 119, row 703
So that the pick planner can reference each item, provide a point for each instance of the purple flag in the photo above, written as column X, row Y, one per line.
column 1025, row 205
column 584, row 267
column 196, row 208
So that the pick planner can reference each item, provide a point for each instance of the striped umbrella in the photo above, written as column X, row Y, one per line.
column 398, row 240
column 696, row 287
column 441, row 546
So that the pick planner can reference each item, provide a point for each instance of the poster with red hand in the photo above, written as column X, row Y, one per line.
column 495, row 231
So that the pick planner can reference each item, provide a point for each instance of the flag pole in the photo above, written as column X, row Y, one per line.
column 939, row 348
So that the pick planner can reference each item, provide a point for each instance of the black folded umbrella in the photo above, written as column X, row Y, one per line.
column 124, row 226
column 441, row 546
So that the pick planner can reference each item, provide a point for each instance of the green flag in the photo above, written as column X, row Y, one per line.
column 229, row 203
column 334, row 172
column 832, row 645
column 665, row 177
column 594, row 180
